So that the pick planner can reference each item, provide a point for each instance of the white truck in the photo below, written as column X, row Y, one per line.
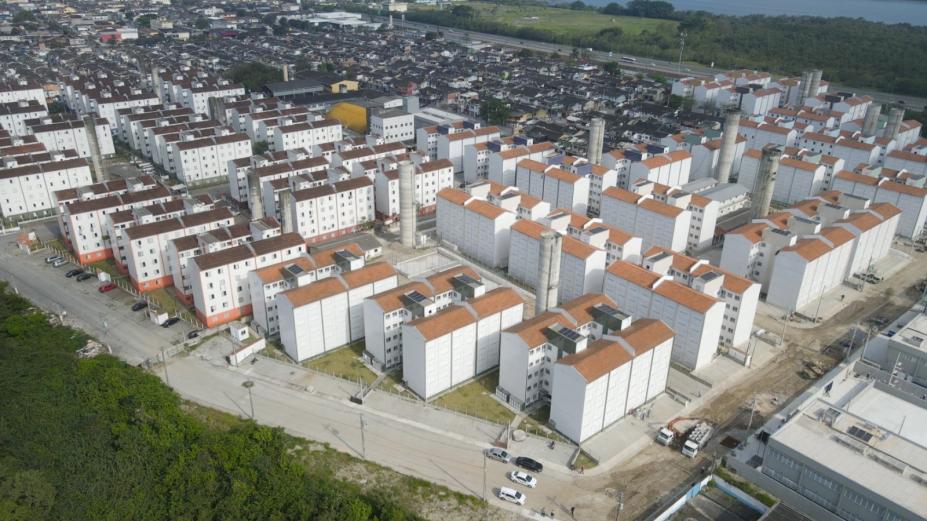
column 697, row 439
column 666, row 436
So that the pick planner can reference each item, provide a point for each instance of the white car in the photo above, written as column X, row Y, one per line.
column 499, row 455
column 511, row 495
column 523, row 478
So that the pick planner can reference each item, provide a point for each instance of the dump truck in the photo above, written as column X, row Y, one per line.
column 697, row 439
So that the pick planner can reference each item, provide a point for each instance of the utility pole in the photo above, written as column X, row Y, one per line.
column 484, row 475
column 785, row 324
column 248, row 384
column 620, row 505
column 752, row 410
column 817, row 312
column 167, row 379
column 363, row 425
column 682, row 47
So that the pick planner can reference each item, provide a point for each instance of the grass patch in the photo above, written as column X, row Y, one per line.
column 345, row 363
column 108, row 266
column 752, row 490
column 275, row 350
column 566, row 22
column 476, row 399
column 583, row 461
column 166, row 302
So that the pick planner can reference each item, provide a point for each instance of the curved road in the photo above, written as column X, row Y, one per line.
column 666, row 68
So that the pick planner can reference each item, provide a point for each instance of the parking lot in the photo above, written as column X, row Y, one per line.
column 108, row 316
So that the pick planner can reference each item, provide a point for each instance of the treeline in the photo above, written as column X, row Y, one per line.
column 892, row 58
column 96, row 439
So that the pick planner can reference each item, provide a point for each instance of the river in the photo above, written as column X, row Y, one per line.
column 890, row 11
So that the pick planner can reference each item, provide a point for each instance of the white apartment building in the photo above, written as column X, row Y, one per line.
column 327, row 314
column 478, row 228
column 796, row 179
column 306, row 134
column 911, row 199
column 206, row 159
column 759, row 135
column 181, row 251
column 219, row 280
column 393, row 125
column 332, row 210
column 657, row 223
column 196, row 95
column 502, row 165
column 740, row 295
column 70, row 134
column 696, row 317
column 454, row 345
column 594, row 388
column 13, row 116
column 266, row 283
column 550, row 183
column 28, row 189
column 22, row 90
column 451, row 146
column 430, row 178
column 292, row 164
column 386, row 312
column 530, row 349
column 146, row 245
column 670, row 169
column 83, row 223
column 904, row 160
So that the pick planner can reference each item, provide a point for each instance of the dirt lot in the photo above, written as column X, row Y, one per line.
column 659, row 474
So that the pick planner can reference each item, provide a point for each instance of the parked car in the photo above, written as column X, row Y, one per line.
column 193, row 334
column 107, row 287
column 52, row 258
column 511, row 495
column 59, row 263
column 73, row 273
column 138, row 306
column 528, row 464
column 170, row 322
column 523, row 478
column 499, row 455
column 872, row 278
column 84, row 276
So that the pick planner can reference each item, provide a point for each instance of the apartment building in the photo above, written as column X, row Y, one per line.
column 271, row 166
column 430, row 178
column 181, row 251
column 740, row 295
column 385, row 313
column 530, row 348
column 219, row 280
column 656, row 223
column 556, row 186
column 147, row 245
column 695, row 317
column 670, row 169
column 796, row 179
column 83, row 223
column 478, row 228
column 502, row 165
column 597, row 386
column 70, row 134
column 22, row 90
column 306, row 134
column 13, row 115
column 393, row 125
column 327, row 314
column 28, row 183
column 266, row 283
column 899, row 191
column 456, row 344
column 759, row 135
column 332, row 210
column 206, row 159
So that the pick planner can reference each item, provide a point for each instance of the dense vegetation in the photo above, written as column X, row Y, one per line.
column 96, row 439
column 254, row 75
column 855, row 52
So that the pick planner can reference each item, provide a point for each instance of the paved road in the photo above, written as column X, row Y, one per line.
column 666, row 68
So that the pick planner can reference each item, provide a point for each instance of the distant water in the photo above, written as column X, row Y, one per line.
column 913, row 12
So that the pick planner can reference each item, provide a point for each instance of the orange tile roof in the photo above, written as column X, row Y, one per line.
column 621, row 194
column 645, row 334
column 633, row 273
column 577, row 248
column 440, row 282
column 485, row 209
column 274, row 272
column 808, row 249
column 495, row 301
column 531, row 331
column 314, row 292
column 391, row 300
column 369, row 274
column 580, row 308
column 685, row 296
column 663, row 209
column 453, row 195
column 530, row 228
column 443, row 322
column 752, row 231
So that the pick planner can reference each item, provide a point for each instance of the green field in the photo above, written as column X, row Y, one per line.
column 566, row 22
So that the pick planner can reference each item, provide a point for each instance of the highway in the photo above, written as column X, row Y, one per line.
column 649, row 65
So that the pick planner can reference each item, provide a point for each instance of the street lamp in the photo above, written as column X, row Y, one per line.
column 248, row 384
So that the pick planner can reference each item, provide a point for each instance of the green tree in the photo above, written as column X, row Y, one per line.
column 254, row 75
column 23, row 16
column 145, row 20
column 259, row 147
column 612, row 68
column 463, row 11
column 495, row 111
column 201, row 23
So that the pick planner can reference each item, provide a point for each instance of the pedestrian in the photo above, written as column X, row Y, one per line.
column 582, row 469
column 573, row 512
